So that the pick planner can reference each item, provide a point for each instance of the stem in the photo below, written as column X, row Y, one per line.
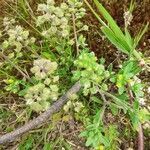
column 123, row 104
column 23, row 74
column 140, row 138
column 96, row 15
column 75, row 34
column 104, row 105
column 137, row 55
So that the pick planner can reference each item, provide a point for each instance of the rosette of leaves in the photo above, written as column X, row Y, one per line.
column 40, row 96
column 56, row 21
column 90, row 73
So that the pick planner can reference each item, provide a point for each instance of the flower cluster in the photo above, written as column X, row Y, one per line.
column 77, row 106
column 57, row 19
column 90, row 73
column 18, row 37
column 39, row 96
column 72, row 104
column 128, row 18
column 43, row 68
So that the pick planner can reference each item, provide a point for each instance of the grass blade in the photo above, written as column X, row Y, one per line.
column 109, row 19
column 129, row 39
column 140, row 35
column 119, row 43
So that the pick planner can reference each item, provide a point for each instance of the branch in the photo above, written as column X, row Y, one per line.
column 9, row 137
column 140, row 138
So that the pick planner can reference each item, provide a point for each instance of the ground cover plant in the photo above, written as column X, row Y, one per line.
column 58, row 94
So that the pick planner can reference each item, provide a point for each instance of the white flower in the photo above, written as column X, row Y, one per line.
column 56, row 21
column 136, row 79
column 65, row 33
column 54, row 88
column 32, row 40
column 52, row 30
column 42, row 7
column 85, row 28
column 146, row 125
column 130, row 148
column 54, row 96
column 64, row 21
column 55, row 78
column 78, row 106
column 5, row 44
column 120, row 66
column 43, row 67
column 64, row 6
column 59, row 12
column 71, row 42
column 142, row 101
column 7, row 22
column 67, row 106
column 45, row 94
column 47, row 81
column 148, row 90
column 40, row 20
column 29, row 101
column 18, row 46
column 79, row 4
column 37, row 97
column 50, row 2
column 128, row 18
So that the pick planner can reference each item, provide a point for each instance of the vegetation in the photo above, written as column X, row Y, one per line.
column 44, row 52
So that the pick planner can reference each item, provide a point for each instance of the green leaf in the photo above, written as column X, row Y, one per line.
column 121, row 90
column 104, row 140
column 47, row 146
column 130, row 67
column 115, row 28
column 134, row 119
column 27, row 144
column 49, row 55
column 144, row 115
column 83, row 134
column 95, row 99
column 129, row 39
column 90, row 139
column 140, row 34
column 118, row 42
column 93, row 90
column 114, row 109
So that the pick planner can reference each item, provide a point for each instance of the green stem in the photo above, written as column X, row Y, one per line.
column 99, row 19
column 137, row 55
